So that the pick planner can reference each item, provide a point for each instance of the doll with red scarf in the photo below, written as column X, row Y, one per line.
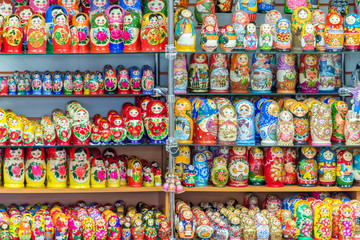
column 105, row 132
column 35, row 167
column 12, row 34
column 35, row 34
column 118, row 130
column 72, row 8
column 334, row 32
column 24, row 12
column 134, row 125
column 61, row 34
column 156, row 122
column 14, row 168
column 274, row 167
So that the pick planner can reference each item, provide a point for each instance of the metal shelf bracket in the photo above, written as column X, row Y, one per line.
column 170, row 52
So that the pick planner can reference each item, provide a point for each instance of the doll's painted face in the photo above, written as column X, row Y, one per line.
column 283, row 25
column 80, row 155
column 273, row 17
column 25, row 14
column 156, row 5
column 309, row 152
column 36, row 153
column 14, row 21
column 117, row 121
column 100, row 21
column 350, row 19
column 153, row 19
column 115, row 13
column 266, row 28
column 259, row 155
column 229, row 112
column 73, row 30
column 240, row 17
column 81, row 114
column 200, row 58
column 99, row 3
column 279, row 153
column 309, row 28
column 251, row 28
column 243, row 59
column 200, row 157
column 299, row 111
column 16, row 152
column 36, row 21
column 157, row 108
column 6, row 9
column 61, row 153
column 133, row 113
column 244, row 111
column 310, row 60
column 130, row 2
column 60, row 19
column 303, row 14
column 40, row 3
column 80, row 19
column 56, row 11
column 334, row 19
column 289, row 59
column 274, row 110
column 180, row 106
column 14, row 122
column 68, row 3
column 347, row 156
column 239, row 150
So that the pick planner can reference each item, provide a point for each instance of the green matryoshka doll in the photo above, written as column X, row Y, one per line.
column 100, row 34
column 300, row 17
column 219, row 173
column 304, row 221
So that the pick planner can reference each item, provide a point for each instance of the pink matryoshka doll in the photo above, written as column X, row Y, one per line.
column 39, row 6
column 134, row 125
column 238, row 167
column 207, row 122
column 274, row 167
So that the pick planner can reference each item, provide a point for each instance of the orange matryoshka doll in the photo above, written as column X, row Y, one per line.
column 71, row 6
column 36, row 34
column 12, row 34
column 81, row 21
column 61, row 34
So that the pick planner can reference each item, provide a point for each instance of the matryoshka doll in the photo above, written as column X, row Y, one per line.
column 261, row 75
column 123, row 80
column 347, row 222
column 339, row 112
column 286, row 75
column 271, row 18
column 265, row 38
column 185, row 35
column 227, row 38
column 307, row 167
column 239, row 21
column 81, row 128
column 209, row 38
column 98, row 172
column 256, row 166
column 308, row 40
column 15, row 132
column 131, row 32
column 351, row 31
column 113, row 174
column 301, row 123
column 203, row 8
column 36, row 35
column 3, row 128
column 61, row 34
column 74, row 39
column 327, row 73
column 134, row 173
column 321, row 124
column 219, row 173
column 290, row 162
column 207, row 122
column 285, row 129
column 116, row 17
column 238, row 167
column 110, row 80
column 300, row 17
column 81, row 21
column 35, row 167
column 24, row 12
column 79, row 168
column 303, row 216
column 245, row 123
column 227, row 125
column 291, row 5
column 163, row 38
column 150, row 33
column 309, row 74
column 182, row 160
column 274, row 167
column 201, row 170
column 180, row 74
column 283, row 37
column 334, row 32
column 250, row 7
column 239, row 73
column 344, row 169
column 199, row 73
column 250, row 39
column 13, row 168
column 71, row 6
column 118, row 130
column 7, row 8
column 99, row 34
column 51, row 13
column 322, row 220
column 184, row 127
column 134, row 125
column 12, row 36
column 147, row 80
column 327, row 167
column 98, row 6
column 268, row 122
column 219, row 73
column 156, row 122
column 135, row 80
column 56, row 175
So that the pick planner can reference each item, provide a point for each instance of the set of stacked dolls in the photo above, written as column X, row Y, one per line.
column 297, row 217
column 121, row 80
column 83, row 221
column 77, row 167
column 49, row 26
column 273, row 166
column 133, row 126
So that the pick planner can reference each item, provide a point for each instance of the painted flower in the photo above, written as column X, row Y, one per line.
column 62, row 170
column 101, row 175
column 124, row 84
column 80, row 172
column 36, row 169
column 113, row 175
column 101, row 35
column 116, row 34
column 82, row 36
column 126, row 35
column 322, row 121
column 16, row 170
column 136, row 84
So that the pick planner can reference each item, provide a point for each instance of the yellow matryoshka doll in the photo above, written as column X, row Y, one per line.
column 14, row 168
column 35, row 167
column 184, row 127
column 300, row 17
column 56, row 168
column 185, row 35
column 98, row 172
column 79, row 168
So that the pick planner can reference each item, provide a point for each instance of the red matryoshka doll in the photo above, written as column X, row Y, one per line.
column 290, row 159
column 156, row 122
column 118, row 130
column 71, row 6
column 256, row 166
column 61, row 34
column 81, row 21
column 63, row 131
column 274, row 167
column 36, row 34
column 74, row 39
column 24, row 12
column 307, row 167
column 347, row 222
column 12, row 36
column 35, row 167
column 239, row 73
column 100, row 34
column 352, row 41
column 207, row 122
column 309, row 74
column 334, row 32
column 150, row 34
column 227, row 38
column 113, row 174
column 81, row 128
column 344, row 169
column 301, row 122
column 85, row 6
column 134, row 173
column 115, row 14
column 98, row 172
column 219, row 73
column 79, row 168
column 131, row 32
column 105, row 132
column 134, row 125
column 322, row 221
column 15, row 132
column 14, row 168
column 238, row 167
column 162, row 23
column 39, row 6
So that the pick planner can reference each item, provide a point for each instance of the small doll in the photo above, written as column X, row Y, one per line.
column 351, row 32
column 339, row 112
column 115, row 15
column 61, row 34
column 118, row 131
column 285, row 129
column 344, row 169
column 147, row 80
column 290, row 166
column 98, row 172
column 134, row 125
column 308, row 38
column 180, row 74
column 265, row 38
column 131, row 32
column 35, row 167
column 15, row 132
column 301, row 123
column 185, row 35
column 13, row 159
column 74, row 39
column 227, row 38
column 250, row 39
column 201, row 170
column 256, row 166
column 99, row 34
column 309, row 74
column 245, row 123
column 227, row 125
column 286, row 75
column 79, row 168
column 123, row 80
column 327, row 167
column 81, row 21
column 334, row 32
column 135, row 80
column 209, row 38
column 239, row 73
column 283, row 35
column 268, row 122
column 12, row 36
column 36, row 34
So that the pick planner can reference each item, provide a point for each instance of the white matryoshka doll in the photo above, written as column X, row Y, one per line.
column 185, row 35
column 245, row 123
column 239, row 21
column 227, row 125
column 285, row 129
column 219, row 73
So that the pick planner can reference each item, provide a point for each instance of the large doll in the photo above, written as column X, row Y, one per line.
column 150, row 34
column 268, row 123
column 36, row 35
column 156, row 122
column 81, row 21
column 115, row 15
column 207, row 121
column 100, row 34
column 131, row 32
column 309, row 75
column 61, row 34
column 51, row 12
column 12, row 35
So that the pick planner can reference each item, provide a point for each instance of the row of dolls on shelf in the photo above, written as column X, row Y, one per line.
column 307, row 31
column 283, row 122
column 61, row 30
column 296, row 217
column 121, row 80
column 77, row 168
column 316, row 73
column 134, row 126
column 83, row 221
column 274, row 166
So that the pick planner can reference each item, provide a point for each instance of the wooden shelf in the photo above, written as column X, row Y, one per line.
column 293, row 188
column 125, row 189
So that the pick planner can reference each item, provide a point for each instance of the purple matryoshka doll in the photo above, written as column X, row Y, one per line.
column 268, row 123
column 219, row 73
column 116, row 15
column 239, row 21
column 180, row 74
column 245, row 123
column 98, row 6
column 207, row 122
column 309, row 76
column 248, row 6
column 286, row 76
column 261, row 75
column 283, row 35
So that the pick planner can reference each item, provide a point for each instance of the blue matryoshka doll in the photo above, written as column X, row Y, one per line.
column 51, row 12
column 201, row 170
column 268, row 122
column 195, row 101
column 245, row 123
column 147, row 80
column 11, row 85
column 27, row 79
column 356, row 166
column 257, row 117
column 135, row 80
column 98, row 6
column 115, row 14
column 248, row 6
column 57, row 83
column 265, row 6
column 36, row 84
column 283, row 35
column 327, row 167
column 207, row 122
column 131, row 6
column 47, row 83
column 327, row 73
column 261, row 75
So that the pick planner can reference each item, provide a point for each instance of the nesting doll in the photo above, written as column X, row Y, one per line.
column 219, row 73
column 300, row 17
column 250, row 39
column 239, row 73
column 321, row 124
column 301, row 123
column 47, row 84
column 134, row 125
column 308, row 38
column 110, row 80
column 256, row 166
column 78, row 82
column 183, row 121
column 344, row 169
column 98, row 7
column 309, row 74
column 261, row 75
column 163, row 29
column 207, row 122
column 12, row 34
column 15, row 132
column 118, row 131
column 239, row 21
column 147, row 80
column 334, row 32
column 327, row 73
column 24, row 12
column 3, row 128
column 201, row 170
column 285, row 129
column 74, row 39
column 265, row 37
column 250, row 7
column 150, row 34
column 58, row 84
column 185, row 35
column 257, row 115
column 351, row 32
column 274, row 167
column 35, row 167
column 98, row 172
column 61, row 34
column 339, row 111
column 131, row 32
column 219, row 172
column 123, row 80
column 156, row 122
column 13, row 168
column 327, row 167
column 227, row 38
column 347, row 221
column 322, row 219
column 245, row 123
column 79, row 168
column 115, row 15
column 56, row 167
column 290, row 162
column 63, row 131
column 227, row 125
column 113, row 174
column 268, row 123
column 100, row 34
column 180, row 74
column 81, row 21
column 307, row 167
column 209, row 38
column 199, row 73
column 291, row 5
column 203, row 8
column 286, row 75
column 271, row 18
column 51, row 13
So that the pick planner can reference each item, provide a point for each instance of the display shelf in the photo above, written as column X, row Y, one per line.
column 108, row 145
column 77, row 96
column 75, row 54
column 258, row 94
column 124, row 189
column 292, row 188
column 274, row 145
